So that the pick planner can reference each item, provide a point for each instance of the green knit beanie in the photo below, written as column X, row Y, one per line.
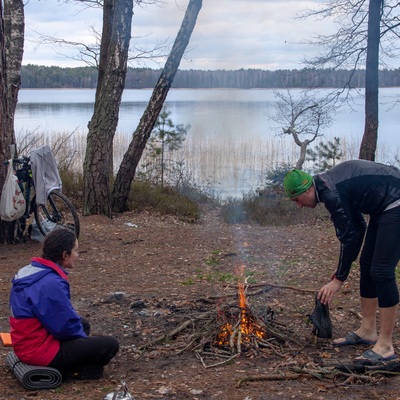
column 296, row 182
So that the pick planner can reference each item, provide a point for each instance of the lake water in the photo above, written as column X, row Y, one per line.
column 232, row 138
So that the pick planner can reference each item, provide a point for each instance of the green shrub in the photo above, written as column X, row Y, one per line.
column 72, row 185
column 270, row 208
column 164, row 200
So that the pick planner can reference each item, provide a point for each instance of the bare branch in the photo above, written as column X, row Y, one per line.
column 88, row 53
column 303, row 118
column 348, row 46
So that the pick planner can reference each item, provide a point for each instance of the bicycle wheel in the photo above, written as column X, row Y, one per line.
column 56, row 213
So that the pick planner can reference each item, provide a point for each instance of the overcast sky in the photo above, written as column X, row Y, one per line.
column 229, row 34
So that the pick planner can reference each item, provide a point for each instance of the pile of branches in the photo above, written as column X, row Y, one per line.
column 205, row 331
column 207, row 334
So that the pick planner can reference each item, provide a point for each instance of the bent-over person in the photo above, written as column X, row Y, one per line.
column 349, row 191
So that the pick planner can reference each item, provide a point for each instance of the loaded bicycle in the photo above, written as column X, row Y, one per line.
column 55, row 210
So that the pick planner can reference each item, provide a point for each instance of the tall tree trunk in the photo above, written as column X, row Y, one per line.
column 14, row 30
column 132, row 157
column 12, row 26
column 370, row 137
column 98, row 164
column 4, row 115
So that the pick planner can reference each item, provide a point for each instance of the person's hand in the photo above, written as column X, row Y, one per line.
column 327, row 292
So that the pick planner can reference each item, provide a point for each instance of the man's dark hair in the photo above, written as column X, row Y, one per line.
column 56, row 242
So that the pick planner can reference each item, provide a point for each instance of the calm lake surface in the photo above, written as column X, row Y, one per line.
column 232, row 138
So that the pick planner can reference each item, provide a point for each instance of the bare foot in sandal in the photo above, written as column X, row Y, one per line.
column 370, row 357
column 352, row 339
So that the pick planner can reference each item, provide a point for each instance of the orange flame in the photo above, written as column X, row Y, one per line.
column 247, row 327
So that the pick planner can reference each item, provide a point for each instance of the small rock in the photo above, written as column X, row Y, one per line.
column 164, row 390
column 138, row 304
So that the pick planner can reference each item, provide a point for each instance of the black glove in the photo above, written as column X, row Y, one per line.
column 321, row 320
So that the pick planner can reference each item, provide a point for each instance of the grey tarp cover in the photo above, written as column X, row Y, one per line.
column 31, row 376
column 44, row 172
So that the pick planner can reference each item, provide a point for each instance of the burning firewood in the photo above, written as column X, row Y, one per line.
column 229, row 330
column 239, row 331
column 242, row 329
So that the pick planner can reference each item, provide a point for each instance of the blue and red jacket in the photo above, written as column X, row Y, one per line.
column 41, row 313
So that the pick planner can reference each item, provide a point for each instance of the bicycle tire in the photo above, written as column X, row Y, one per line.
column 58, row 212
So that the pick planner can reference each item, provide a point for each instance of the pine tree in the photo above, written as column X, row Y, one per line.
column 325, row 154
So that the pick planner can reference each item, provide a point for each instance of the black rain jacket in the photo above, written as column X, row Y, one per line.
column 348, row 191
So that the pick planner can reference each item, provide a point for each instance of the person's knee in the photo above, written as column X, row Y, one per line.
column 386, row 286
column 113, row 346
column 381, row 276
column 86, row 325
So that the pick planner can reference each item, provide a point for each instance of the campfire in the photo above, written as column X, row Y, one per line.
column 231, row 328
column 238, row 331
column 242, row 328
column 226, row 329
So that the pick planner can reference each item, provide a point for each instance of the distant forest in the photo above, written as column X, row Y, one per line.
column 38, row 77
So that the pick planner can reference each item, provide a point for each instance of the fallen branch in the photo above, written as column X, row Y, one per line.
column 266, row 284
column 258, row 285
column 256, row 378
column 350, row 379
column 198, row 355
column 322, row 374
column 173, row 333
column 390, row 368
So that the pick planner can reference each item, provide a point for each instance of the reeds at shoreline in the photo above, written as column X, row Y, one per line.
column 229, row 161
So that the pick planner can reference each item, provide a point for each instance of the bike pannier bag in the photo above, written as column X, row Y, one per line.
column 12, row 202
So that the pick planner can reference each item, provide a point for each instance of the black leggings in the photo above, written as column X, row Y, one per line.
column 379, row 258
column 94, row 350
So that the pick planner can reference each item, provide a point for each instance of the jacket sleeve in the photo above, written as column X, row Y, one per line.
column 55, row 311
column 350, row 229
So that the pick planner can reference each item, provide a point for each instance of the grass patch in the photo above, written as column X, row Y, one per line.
column 219, row 276
column 226, row 277
column 250, row 278
column 187, row 282
column 214, row 258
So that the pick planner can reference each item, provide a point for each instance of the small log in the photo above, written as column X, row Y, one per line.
column 173, row 333
column 273, row 377
column 272, row 285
